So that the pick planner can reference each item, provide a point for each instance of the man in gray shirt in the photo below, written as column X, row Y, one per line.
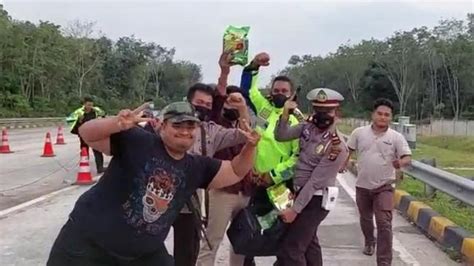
column 322, row 152
column 210, row 138
column 380, row 151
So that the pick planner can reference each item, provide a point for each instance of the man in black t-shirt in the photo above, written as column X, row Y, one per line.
column 125, row 218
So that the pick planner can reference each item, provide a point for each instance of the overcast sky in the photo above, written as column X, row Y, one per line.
column 282, row 28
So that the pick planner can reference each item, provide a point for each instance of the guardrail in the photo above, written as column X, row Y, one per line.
column 31, row 122
column 455, row 186
column 434, row 178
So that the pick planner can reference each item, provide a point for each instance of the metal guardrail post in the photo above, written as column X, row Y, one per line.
column 429, row 190
column 31, row 122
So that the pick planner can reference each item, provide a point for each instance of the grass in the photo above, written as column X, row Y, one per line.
column 449, row 152
column 459, row 213
column 345, row 128
column 444, row 157
column 462, row 144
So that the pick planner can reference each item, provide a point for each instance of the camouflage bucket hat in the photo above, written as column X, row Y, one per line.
column 178, row 112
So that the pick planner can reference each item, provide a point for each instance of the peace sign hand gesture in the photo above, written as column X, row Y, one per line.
column 252, row 136
column 128, row 119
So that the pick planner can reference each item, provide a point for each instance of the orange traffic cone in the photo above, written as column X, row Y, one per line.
column 48, row 147
column 5, row 148
column 60, row 136
column 84, row 176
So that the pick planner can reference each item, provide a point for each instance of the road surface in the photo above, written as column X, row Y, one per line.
column 28, row 231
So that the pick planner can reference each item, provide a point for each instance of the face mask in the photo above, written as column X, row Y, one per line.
column 231, row 114
column 322, row 120
column 279, row 100
column 203, row 113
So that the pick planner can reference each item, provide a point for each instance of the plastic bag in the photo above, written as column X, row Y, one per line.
column 236, row 42
column 246, row 233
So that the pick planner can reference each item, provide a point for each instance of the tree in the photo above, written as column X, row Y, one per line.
column 427, row 72
column 45, row 69
column 86, row 51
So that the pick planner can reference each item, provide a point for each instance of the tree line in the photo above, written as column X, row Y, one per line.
column 427, row 72
column 46, row 69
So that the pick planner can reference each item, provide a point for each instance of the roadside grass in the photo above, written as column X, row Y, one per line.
column 458, row 212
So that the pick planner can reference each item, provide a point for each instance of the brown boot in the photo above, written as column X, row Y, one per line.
column 369, row 250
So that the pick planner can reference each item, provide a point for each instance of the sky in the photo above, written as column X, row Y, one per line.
column 281, row 28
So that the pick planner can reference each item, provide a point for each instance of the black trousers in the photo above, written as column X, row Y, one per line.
column 186, row 240
column 300, row 245
column 73, row 248
column 98, row 156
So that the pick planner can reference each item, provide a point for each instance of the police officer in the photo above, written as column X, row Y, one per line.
column 81, row 115
column 274, row 160
column 322, row 153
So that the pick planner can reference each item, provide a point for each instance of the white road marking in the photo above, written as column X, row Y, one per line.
column 39, row 199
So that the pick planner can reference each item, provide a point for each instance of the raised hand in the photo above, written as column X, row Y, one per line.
column 225, row 62
column 290, row 104
column 261, row 59
column 128, row 119
column 236, row 100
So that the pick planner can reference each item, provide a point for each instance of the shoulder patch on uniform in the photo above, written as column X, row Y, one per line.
column 326, row 135
column 265, row 113
column 319, row 149
column 306, row 134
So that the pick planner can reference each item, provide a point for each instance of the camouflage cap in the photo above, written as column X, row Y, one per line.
column 178, row 112
column 323, row 97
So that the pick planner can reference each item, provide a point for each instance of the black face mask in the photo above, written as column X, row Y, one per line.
column 279, row 100
column 231, row 114
column 322, row 120
column 203, row 113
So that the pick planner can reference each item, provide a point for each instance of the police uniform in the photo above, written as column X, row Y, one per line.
column 322, row 153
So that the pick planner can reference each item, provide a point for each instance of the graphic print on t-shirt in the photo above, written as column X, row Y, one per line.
column 153, row 197
column 159, row 192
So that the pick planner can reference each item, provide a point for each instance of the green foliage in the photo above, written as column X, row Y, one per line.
column 45, row 69
column 428, row 73
column 461, row 144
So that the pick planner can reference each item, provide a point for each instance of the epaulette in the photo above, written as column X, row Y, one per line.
column 334, row 150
